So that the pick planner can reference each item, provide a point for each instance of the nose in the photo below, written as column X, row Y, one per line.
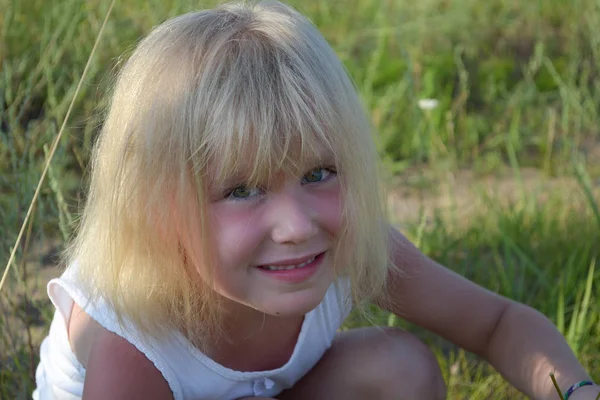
column 293, row 220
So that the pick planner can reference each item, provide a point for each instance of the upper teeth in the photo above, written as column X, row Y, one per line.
column 282, row 267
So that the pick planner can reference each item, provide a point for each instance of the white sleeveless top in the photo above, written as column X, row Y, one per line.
column 189, row 373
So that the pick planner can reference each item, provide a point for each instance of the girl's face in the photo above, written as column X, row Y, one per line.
column 274, row 245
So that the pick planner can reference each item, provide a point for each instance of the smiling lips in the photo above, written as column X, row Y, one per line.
column 294, row 271
column 288, row 267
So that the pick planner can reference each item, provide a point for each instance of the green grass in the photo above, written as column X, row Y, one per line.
column 517, row 86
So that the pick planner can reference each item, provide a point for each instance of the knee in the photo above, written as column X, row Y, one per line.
column 404, row 367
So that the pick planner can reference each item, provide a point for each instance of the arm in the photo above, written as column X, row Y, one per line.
column 519, row 342
column 526, row 347
column 115, row 369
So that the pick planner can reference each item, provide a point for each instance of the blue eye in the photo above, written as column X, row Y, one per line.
column 243, row 192
column 317, row 175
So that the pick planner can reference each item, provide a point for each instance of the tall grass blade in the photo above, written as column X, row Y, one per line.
column 53, row 148
column 584, row 181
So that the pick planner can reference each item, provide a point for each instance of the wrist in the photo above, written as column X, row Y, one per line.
column 586, row 393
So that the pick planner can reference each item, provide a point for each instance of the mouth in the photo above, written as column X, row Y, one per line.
column 289, row 266
column 294, row 271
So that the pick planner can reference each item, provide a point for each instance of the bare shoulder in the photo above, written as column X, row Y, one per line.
column 115, row 368
column 440, row 300
column 83, row 330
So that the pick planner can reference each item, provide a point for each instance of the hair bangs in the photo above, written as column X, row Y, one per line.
column 271, row 116
column 258, row 156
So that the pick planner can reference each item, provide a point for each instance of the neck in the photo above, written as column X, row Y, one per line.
column 253, row 340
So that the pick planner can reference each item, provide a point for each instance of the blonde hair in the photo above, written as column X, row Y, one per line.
column 200, row 92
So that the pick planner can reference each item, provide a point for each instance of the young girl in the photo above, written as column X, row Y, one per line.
column 233, row 220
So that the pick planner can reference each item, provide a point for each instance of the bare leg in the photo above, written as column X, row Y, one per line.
column 372, row 363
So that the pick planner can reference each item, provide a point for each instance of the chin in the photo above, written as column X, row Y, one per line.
column 294, row 304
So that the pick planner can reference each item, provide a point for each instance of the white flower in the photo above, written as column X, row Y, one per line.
column 428, row 104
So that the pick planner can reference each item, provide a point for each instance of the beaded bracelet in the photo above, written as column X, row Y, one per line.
column 577, row 386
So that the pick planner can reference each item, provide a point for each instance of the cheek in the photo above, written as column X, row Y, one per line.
column 236, row 233
column 327, row 203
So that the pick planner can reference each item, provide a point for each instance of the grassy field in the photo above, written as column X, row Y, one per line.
column 500, row 181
